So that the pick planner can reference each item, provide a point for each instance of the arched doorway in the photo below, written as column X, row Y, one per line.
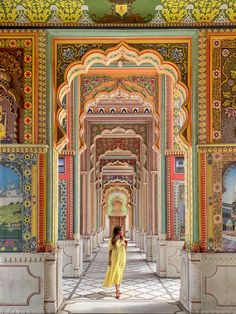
column 152, row 211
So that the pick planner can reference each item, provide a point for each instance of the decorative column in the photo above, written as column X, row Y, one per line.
column 72, row 249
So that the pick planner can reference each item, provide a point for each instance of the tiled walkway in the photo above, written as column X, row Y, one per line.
column 142, row 291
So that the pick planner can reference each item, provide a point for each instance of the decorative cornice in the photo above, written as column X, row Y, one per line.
column 22, row 257
column 67, row 153
column 173, row 152
column 23, row 148
column 209, row 148
column 83, row 13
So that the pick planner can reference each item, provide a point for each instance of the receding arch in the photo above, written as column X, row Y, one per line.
column 114, row 54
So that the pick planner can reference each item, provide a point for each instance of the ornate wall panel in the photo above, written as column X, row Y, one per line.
column 97, row 129
column 221, row 77
column 62, row 209
column 22, row 58
column 146, row 85
column 20, row 209
column 216, row 206
column 131, row 144
column 174, row 50
column 65, row 199
column 175, row 197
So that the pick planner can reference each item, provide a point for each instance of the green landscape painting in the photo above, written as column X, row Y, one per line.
column 11, row 198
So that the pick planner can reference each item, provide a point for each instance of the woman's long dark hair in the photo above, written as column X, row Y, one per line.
column 116, row 231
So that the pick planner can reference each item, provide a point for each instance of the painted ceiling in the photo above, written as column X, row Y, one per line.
column 152, row 13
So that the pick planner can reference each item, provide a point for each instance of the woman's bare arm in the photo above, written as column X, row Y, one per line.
column 109, row 261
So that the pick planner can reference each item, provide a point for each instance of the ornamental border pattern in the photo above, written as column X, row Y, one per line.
column 202, row 87
column 42, row 88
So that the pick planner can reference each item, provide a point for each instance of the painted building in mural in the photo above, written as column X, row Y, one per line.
column 117, row 112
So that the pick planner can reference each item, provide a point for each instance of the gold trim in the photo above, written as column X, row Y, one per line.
column 209, row 148
column 67, row 153
column 174, row 152
column 23, row 148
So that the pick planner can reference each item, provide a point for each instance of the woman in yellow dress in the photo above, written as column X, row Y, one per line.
column 117, row 259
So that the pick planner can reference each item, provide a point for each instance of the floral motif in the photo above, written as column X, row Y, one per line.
column 217, row 156
column 27, row 203
column 217, row 187
column 27, row 172
column 230, row 112
column 217, row 219
column 27, row 136
column 28, row 105
column 216, row 73
column 27, row 43
column 177, row 54
column 225, row 52
column 216, row 134
column 28, row 59
column 216, row 104
column 216, row 43
column 11, row 157
column 27, row 120
column 28, row 74
column 28, row 89
column 68, row 54
column 12, row 43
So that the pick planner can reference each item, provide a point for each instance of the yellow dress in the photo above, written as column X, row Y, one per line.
column 115, row 272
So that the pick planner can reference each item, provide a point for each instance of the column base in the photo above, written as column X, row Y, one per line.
column 72, row 257
column 137, row 238
column 208, row 282
column 35, row 278
column 87, row 248
column 168, row 257
column 95, row 241
column 154, row 248
column 142, row 242
column 151, row 247
column 132, row 233
column 100, row 237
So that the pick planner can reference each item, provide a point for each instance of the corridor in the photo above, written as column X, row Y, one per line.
column 142, row 291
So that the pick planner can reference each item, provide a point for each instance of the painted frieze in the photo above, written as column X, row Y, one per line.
column 117, row 12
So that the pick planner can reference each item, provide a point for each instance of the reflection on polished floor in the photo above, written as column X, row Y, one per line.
column 142, row 291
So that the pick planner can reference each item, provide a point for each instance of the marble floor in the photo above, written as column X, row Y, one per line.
column 142, row 290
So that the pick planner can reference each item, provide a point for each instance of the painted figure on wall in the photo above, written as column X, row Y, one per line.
column 11, row 198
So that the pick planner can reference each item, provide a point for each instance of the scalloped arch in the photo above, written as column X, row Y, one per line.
column 113, row 54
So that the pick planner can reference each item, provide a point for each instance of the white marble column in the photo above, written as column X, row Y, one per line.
column 141, row 242
column 168, row 257
column 161, row 255
column 154, row 247
column 31, row 282
column 145, row 242
column 137, row 238
column 149, row 247
column 87, row 247
column 71, row 257
column 133, row 234
column 53, row 292
column 94, row 241
column 190, row 282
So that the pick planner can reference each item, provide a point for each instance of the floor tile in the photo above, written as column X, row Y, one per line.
column 141, row 288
